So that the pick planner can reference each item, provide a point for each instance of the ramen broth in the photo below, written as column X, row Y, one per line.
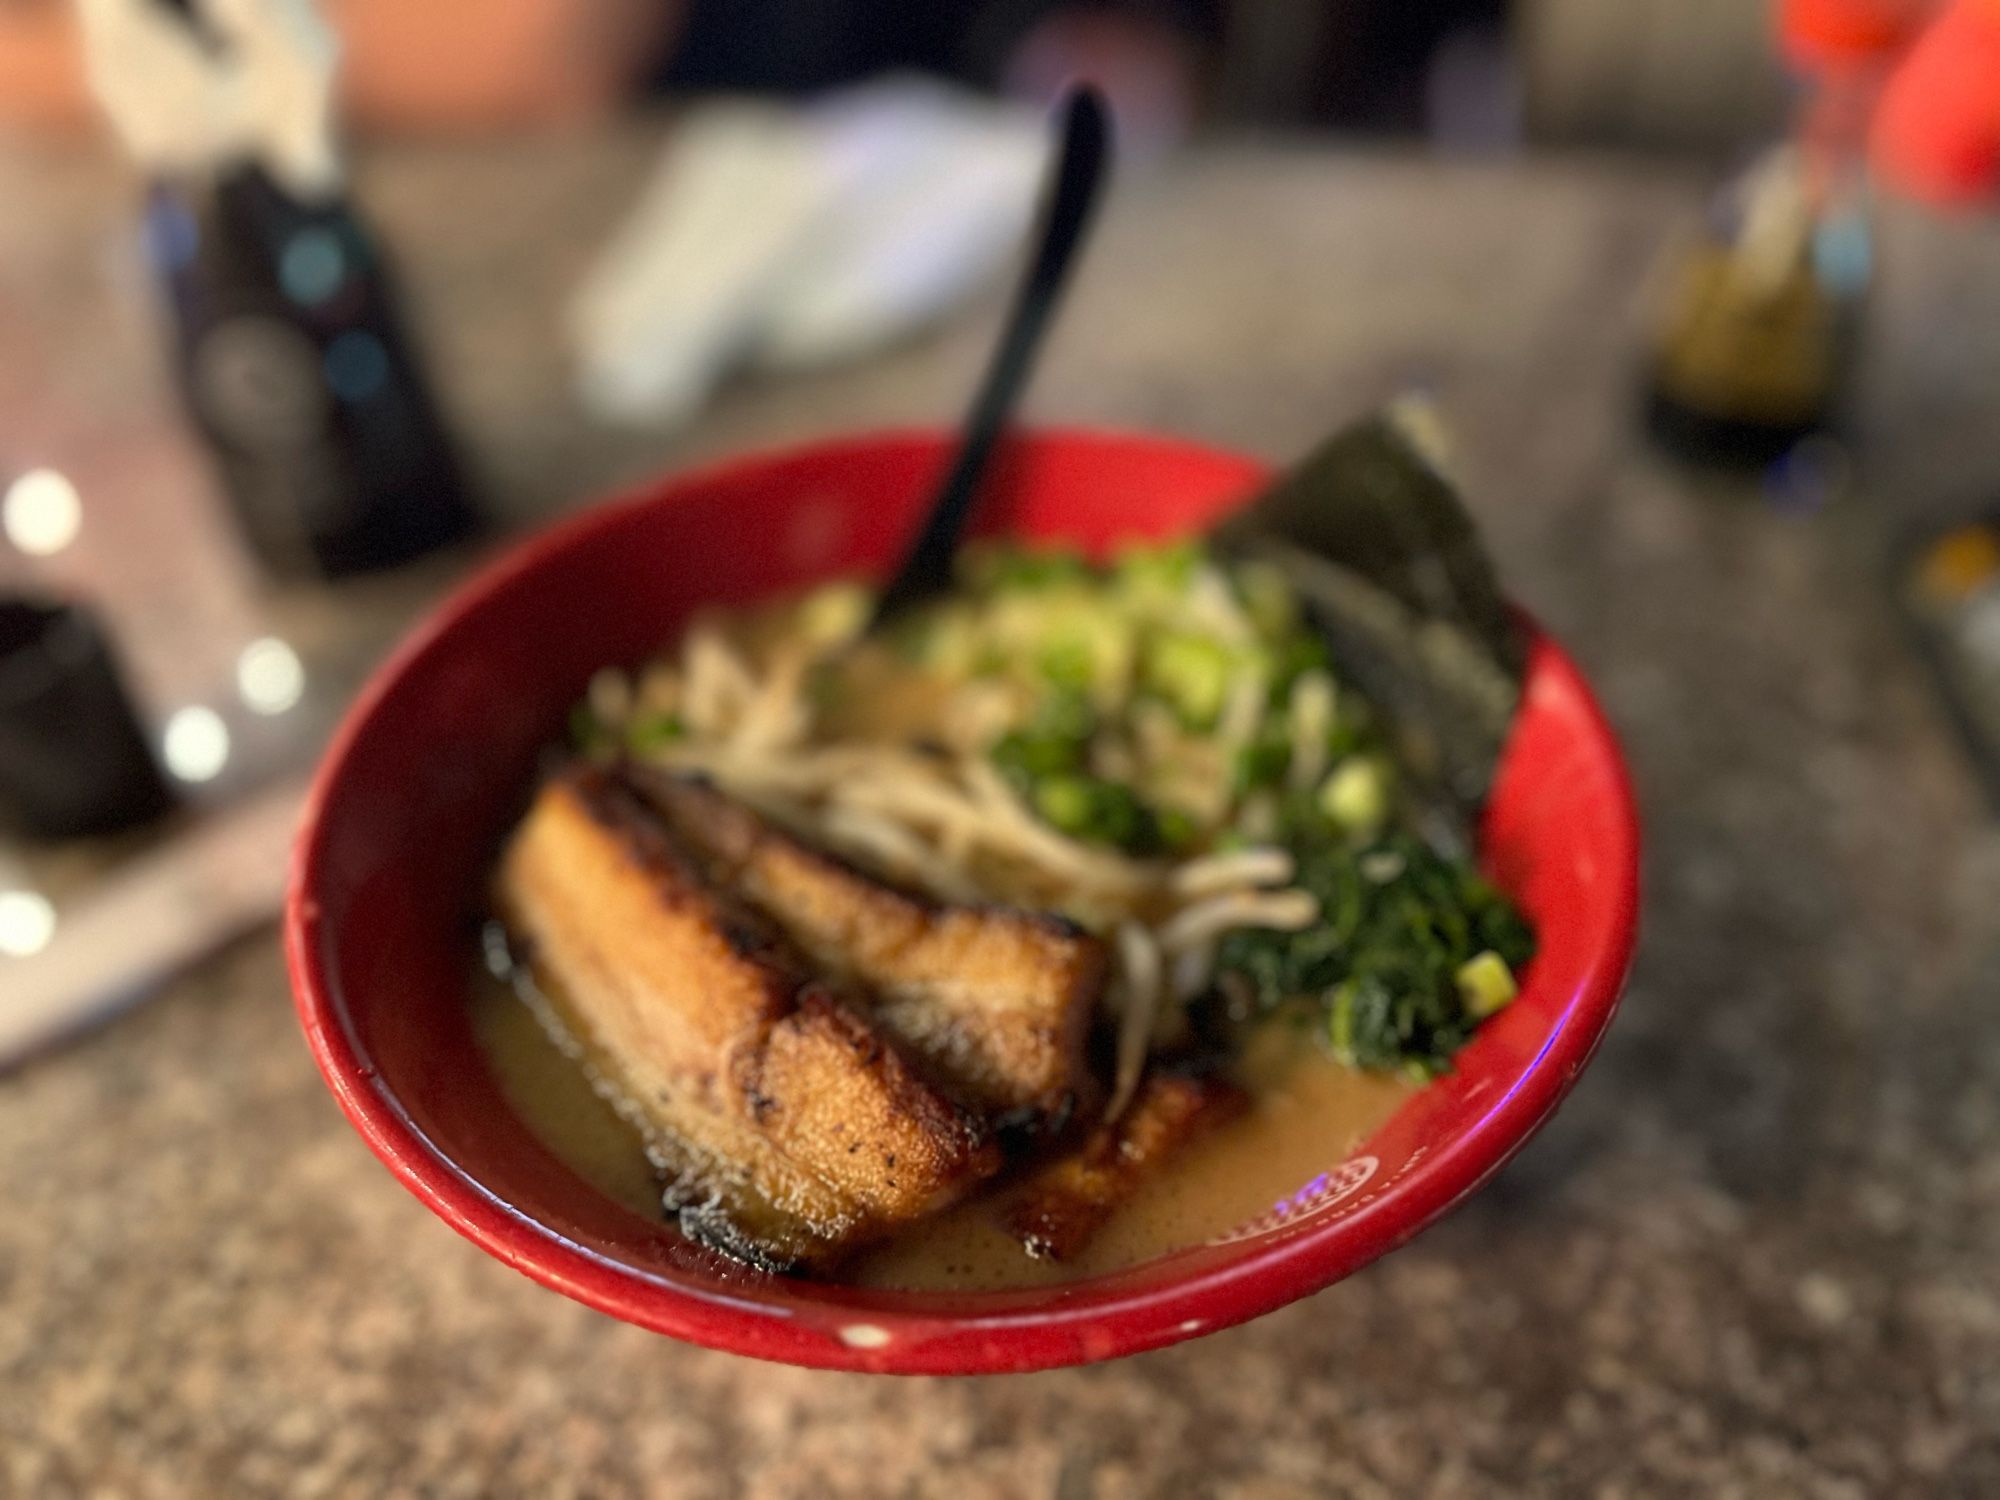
column 1307, row 1114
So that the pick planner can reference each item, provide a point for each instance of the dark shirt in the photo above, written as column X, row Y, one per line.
column 795, row 46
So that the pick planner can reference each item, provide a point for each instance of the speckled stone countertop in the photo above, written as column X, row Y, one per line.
column 1758, row 1253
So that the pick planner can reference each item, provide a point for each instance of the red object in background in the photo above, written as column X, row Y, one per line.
column 436, row 758
column 1937, row 129
column 1821, row 35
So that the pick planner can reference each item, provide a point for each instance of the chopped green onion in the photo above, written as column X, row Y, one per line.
column 1486, row 984
column 1103, row 812
column 1267, row 599
column 654, row 732
column 955, row 645
column 833, row 612
column 1066, row 802
column 1178, row 829
column 1191, row 672
column 1024, row 756
column 1010, row 569
column 1356, row 796
column 1068, row 663
column 1166, row 569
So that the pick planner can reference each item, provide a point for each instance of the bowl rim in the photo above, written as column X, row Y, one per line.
column 1078, row 1325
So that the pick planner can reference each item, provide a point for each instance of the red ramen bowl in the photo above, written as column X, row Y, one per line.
column 435, row 760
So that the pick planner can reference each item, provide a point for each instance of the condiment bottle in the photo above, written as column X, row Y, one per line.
column 290, row 348
column 1761, row 312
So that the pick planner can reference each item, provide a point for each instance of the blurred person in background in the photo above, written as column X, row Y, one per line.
column 1932, row 66
column 512, row 63
column 1913, row 83
column 1927, row 74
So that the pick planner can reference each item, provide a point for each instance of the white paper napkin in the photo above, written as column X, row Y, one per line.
column 782, row 238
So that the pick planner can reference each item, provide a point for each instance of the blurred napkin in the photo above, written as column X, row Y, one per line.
column 779, row 237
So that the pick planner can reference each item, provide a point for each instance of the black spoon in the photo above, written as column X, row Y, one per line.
column 1069, row 200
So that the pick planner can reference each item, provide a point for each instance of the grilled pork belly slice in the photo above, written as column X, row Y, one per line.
column 796, row 1128
column 994, row 1002
column 1062, row 1205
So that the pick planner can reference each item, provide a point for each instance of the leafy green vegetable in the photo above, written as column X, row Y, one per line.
column 1399, row 924
column 1350, row 735
column 1356, row 795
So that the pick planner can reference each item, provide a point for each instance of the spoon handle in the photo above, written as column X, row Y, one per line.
column 1070, row 199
